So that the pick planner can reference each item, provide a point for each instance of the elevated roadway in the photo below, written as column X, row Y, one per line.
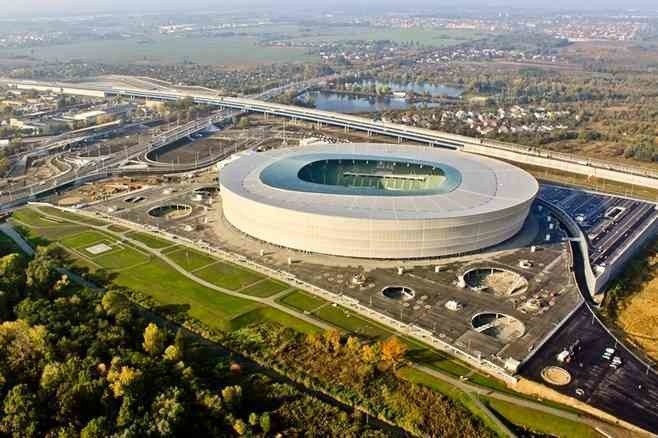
column 158, row 90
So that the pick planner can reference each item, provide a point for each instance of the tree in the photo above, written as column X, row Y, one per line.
column 114, row 302
column 12, row 276
column 265, row 422
column 371, row 354
column 120, row 378
column 332, row 340
column 154, row 339
column 20, row 409
column 232, row 396
column 41, row 272
column 22, row 348
column 167, row 411
column 95, row 428
column 240, row 427
column 172, row 353
column 352, row 344
column 393, row 350
column 253, row 419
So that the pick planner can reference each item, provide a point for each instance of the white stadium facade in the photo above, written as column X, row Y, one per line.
column 376, row 200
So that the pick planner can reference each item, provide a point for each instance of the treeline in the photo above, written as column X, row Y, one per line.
column 246, row 80
column 82, row 363
column 358, row 373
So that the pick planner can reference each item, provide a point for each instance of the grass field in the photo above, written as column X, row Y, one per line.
column 167, row 50
column 265, row 288
column 275, row 315
column 227, row 276
column 302, row 301
column 146, row 274
column 170, row 288
column 343, row 318
column 540, row 422
column 84, row 239
column 148, row 240
column 233, row 50
column 426, row 37
column 632, row 301
column 188, row 259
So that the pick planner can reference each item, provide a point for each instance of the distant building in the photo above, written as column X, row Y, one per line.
column 87, row 116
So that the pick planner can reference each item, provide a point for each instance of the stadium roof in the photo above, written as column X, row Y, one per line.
column 471, row 184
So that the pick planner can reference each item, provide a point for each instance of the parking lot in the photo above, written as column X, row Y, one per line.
column 629, row 390
column 609, row 221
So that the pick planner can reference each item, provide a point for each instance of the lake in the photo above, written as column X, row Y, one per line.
column 345, row 103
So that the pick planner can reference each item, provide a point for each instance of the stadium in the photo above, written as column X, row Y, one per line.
column 376, row 200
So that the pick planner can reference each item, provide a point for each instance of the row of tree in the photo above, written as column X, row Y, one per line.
column 77, row 362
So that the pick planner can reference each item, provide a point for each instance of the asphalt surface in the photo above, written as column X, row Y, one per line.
column 629, row 391
column 609, row 221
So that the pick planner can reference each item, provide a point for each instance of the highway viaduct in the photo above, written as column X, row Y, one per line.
column 512, row 152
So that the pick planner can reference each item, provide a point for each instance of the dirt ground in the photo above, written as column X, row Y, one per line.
column 638, row 315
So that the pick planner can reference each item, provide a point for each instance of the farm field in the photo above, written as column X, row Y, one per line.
column 166, row 50
column 234, row 50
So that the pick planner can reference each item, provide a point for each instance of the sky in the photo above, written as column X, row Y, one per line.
column 74, row 7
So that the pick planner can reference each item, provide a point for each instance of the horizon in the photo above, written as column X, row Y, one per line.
column 72, row 8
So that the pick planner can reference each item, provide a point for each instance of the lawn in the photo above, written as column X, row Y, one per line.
column 230, row 50
column 155, row 278
column 227, row 276
column 83, row 240
column 168, row 287
column 51, row 211
column 351, row 322
column 38, row 235
column 274, row 315
column 265, row 288
column 302, row 301
column 32, row 217
column 148, row 240
column 188, row 259
column 121, row 257
column 540, row 422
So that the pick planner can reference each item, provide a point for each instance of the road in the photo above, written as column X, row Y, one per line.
column 152, row 89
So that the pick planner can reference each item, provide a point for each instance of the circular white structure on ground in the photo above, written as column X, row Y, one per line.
column 376, row 200
column 555, row 375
